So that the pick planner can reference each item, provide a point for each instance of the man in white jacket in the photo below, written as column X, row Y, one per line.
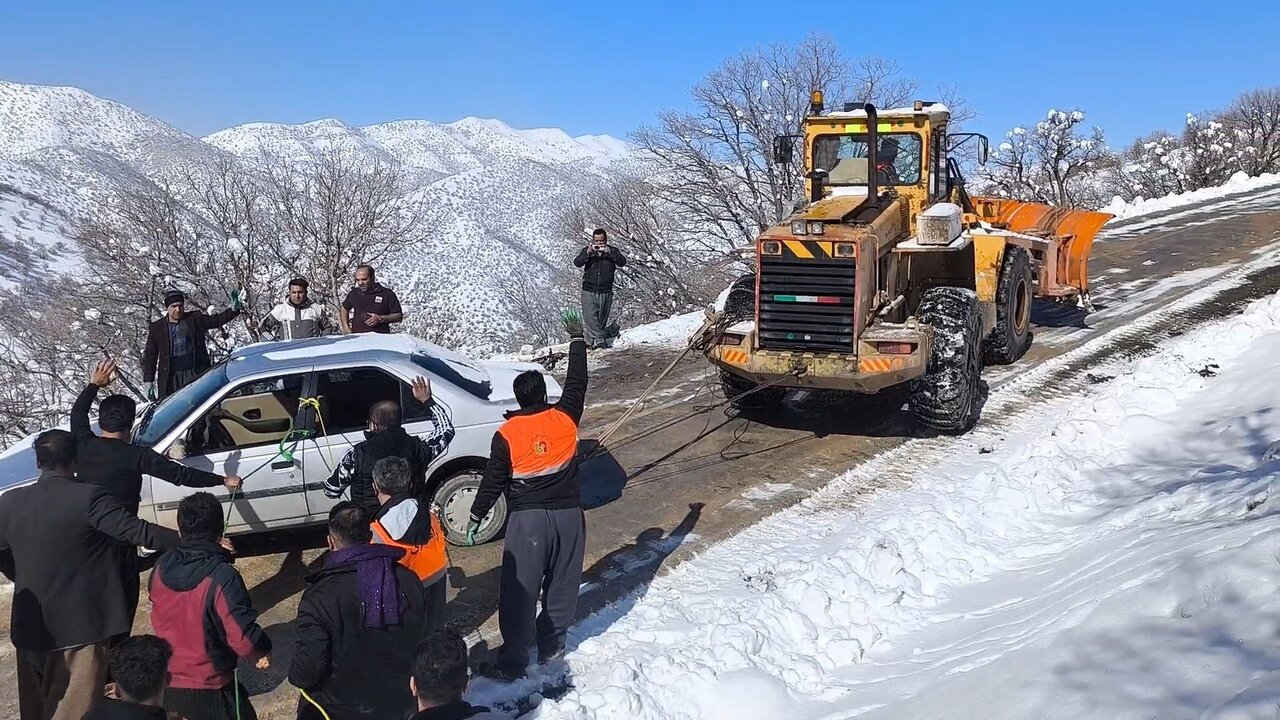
column 297, row 317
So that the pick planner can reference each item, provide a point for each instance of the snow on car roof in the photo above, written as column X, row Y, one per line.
column 275, row 355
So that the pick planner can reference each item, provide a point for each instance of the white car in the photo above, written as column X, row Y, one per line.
column 255, row 415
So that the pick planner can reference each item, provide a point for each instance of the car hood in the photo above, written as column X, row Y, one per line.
column 18, row 465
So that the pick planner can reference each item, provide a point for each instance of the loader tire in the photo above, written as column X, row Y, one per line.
column 945, row 398
column 741, row 303
column 736, row 388
column 1011, row 336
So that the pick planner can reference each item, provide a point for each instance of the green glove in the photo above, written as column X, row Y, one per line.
column 151, row 391
column 471, row 532
column 237, row 300
column 572, row 320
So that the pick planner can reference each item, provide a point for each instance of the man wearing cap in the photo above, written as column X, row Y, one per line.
column 177, row 349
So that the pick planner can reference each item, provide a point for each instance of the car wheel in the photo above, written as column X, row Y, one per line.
column 453, row 506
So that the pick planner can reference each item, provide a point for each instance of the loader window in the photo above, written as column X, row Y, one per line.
column 844, row 157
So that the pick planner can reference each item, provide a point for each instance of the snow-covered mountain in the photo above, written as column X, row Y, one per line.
column 493, row 193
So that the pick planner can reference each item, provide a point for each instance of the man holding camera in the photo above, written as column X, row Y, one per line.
column 599, row 259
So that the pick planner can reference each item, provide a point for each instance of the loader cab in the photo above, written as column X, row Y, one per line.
column 910, row 153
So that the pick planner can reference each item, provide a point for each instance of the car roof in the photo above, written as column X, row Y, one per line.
column 343, row 349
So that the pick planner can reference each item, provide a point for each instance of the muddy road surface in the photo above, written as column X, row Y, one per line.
column 687, row 470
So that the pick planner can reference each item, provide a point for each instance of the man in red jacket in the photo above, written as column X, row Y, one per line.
column 199, row 603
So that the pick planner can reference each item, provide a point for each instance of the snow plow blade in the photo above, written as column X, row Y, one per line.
column 1073, row 231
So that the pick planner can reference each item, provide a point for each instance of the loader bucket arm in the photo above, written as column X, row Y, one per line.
column 1074, row 229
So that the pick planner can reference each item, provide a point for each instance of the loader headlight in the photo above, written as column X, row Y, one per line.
column 797, row 227
column 816, row 228
column 844, row 250
column 770, row 247
column 731, row 339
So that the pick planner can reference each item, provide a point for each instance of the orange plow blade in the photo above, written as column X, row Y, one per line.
column 1074, row 230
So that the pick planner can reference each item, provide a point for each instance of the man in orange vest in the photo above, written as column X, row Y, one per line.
column 534, row 460
column 403, row 522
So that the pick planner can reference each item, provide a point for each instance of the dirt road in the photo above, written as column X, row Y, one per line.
column 672, row 480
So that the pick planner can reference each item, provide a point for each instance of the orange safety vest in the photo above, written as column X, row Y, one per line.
column 429, row 562
column 541, row 444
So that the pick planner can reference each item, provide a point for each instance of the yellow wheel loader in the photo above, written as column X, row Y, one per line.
column 888, row 272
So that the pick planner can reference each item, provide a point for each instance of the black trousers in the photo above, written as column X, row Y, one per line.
column 541, row 560
column 210, row 704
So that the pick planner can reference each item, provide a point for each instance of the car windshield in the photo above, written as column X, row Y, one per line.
column 164, row 416
column 844, row 157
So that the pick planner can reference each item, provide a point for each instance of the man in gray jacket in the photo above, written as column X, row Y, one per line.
column 297, row 317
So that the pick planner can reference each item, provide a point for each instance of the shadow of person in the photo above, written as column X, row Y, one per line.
column 476, row 599
column 636, row 564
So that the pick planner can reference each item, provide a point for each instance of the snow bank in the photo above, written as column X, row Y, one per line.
column 675, row 331
column 1108, row 554
column 1238, row 183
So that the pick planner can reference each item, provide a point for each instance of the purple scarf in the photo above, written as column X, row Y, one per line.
column 375, row 581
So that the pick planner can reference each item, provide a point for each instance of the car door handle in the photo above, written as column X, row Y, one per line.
column 253, row 414
column 282, row 465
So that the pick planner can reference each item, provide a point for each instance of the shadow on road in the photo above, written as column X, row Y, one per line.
column 602, row 478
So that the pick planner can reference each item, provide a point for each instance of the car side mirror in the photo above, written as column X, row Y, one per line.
column 783, row 150
column 984, row 149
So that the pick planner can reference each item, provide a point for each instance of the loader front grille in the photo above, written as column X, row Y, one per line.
column 806, row 303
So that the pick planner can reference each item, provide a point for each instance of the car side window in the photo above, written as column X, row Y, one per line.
column 255, row 413
column 347, row 394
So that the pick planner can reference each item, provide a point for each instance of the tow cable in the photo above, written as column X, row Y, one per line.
column 701, row 341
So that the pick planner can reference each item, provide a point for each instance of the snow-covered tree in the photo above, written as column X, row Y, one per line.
column 1059, row 161
column 1254, row 121
column 1153, row 166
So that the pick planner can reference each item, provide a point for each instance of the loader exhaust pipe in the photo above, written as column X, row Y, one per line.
column 873, row 121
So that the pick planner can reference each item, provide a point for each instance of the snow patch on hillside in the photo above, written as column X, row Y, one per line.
column 1111, row 554
column 1238, row 183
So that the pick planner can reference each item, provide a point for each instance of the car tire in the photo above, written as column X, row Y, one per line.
column 452, row 502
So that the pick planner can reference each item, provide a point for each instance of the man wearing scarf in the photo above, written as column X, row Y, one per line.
column 359, row 624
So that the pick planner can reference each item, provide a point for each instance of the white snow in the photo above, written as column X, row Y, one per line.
column 1111, row 553
column 1238, row 183
column 672, row 332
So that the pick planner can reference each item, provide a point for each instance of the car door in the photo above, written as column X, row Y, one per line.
column 248, row 430
column 344, row 395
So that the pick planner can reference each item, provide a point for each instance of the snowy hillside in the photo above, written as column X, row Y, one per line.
column 492, row 193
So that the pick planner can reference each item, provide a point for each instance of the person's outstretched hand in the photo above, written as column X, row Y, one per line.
column 422, row 390
column 572, row 320
column 264, row 663
column 101, row 375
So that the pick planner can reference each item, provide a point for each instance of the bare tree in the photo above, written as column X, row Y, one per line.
column 714, row 164
column 1058, row 162
column 1254, row 119
column 338, row 211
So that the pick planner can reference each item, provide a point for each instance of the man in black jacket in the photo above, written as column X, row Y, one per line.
column 440, row 678
column 359, row 625
column 600, row 260
column 140, row 667
column 534, row 460
column 69, row 547
column 112, row 461
column 385, row 438
column 177, row 350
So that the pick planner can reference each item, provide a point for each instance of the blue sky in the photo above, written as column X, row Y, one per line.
column 608, row 67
